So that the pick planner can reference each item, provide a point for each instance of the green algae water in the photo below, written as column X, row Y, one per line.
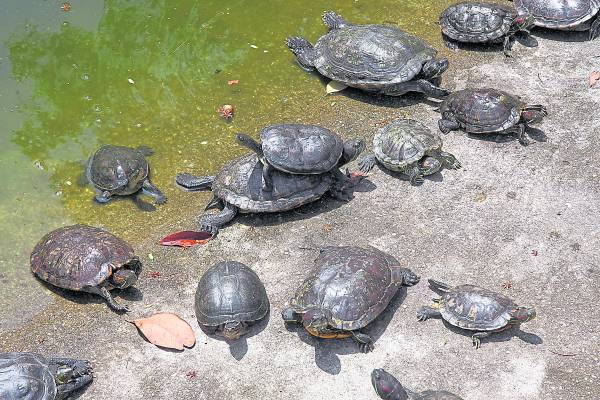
column 144, row 72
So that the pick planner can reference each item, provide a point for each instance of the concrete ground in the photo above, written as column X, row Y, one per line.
column 523, row 217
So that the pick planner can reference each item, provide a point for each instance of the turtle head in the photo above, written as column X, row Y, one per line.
column 523, row 314
column 233, row 330
column 533, row 114
column 127, row 275
column 429, row 165
column 352, row 148
column 291, row 315
column 386, row 386
column 434, row 68
column 316, row 320
column 523, row 22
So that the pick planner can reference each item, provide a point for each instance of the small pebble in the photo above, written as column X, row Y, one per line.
column 131, row 81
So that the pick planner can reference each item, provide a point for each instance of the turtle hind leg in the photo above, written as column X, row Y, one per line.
column 426, row 312
column 367, row 163
column 148, row 188
column 303, row 50
column 364, row 341
column 194, row 183
column 450, row 43
column 211, row 223
column 448, row 123
column 104, row 293
column 476, row 337
column 334, row 21
column 595, row 28
column 267, row 180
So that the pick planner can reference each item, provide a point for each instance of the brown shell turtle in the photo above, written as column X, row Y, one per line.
column 87, row 259
column 389, row 388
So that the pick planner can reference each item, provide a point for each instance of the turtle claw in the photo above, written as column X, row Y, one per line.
column 366, row 347
column 476, row 342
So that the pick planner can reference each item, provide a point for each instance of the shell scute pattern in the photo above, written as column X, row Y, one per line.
column 559, row 14
column 112, row 166
column 27, row 376
column 477, row 22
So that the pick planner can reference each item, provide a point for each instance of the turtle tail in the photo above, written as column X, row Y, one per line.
column 439, row 286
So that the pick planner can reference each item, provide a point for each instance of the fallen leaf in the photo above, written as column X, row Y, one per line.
column 480, row 197
column 166, row 330
column 186, row 238
column 155, row 274
column 226, row 111
column 233, row 82
column 65, row 7
column 191, row 374
column 335, row 86
column 594, row 78
column 534, row 253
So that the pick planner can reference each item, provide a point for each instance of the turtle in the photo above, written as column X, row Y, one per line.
column 122, row 171
column 388, row 387
column 570, row 15
column 88, row 259
column 230, row 298
column 30, row 376
column 488, row 110
column 347, row 289
column 374, row 58
column 484, row 23
column 410, row 147
column 301, row 149
column 238, row 188
column 473, row 308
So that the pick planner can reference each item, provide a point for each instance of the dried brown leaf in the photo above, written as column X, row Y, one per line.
column 594, row 78
column 166, row 330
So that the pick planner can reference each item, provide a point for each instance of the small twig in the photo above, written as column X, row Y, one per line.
column 539, row 77
column 177, row 48
column 562, row 354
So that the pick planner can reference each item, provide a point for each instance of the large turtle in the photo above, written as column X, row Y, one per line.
column 29, row 376
column 347, row 289
column 119, row 170
column 473, row 308
column 374, row 58
column 301, row 149
column 409, row 147
column 88, row 259
column 388, row 387
column 489, row 110
column 229, row 299
column 238, row 188
column 570, row 15
column 484, row 23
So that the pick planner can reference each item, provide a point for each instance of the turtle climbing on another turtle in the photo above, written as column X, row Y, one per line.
column 87, row 259
column 409, row 147
column 484, row 23
column 30, row 376
column 230, row 298
column 473, row 308
column 348, row 288
column 301, row 149
column 567, row 15
column 489, row 110
column 388, row 387
column 122, row 171
column 374, row 58
column 238, row 188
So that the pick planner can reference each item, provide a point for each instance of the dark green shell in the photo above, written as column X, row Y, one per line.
column 117, row 168
column 26, row 376
column 477, row 22
column 559, row 14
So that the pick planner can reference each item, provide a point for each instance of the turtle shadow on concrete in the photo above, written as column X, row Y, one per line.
column 561, row 36
column 503, row 336
column 520, row 43
column 437, row 177
column 239, row 348
column 137, row 199
column 533, row 133
column 328, row 350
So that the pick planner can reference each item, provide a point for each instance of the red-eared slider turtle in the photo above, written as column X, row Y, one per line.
column 87, row 259
column 238, row 188
column 409, row 147
column 489, row 111
column 301, row 149
column 483, row 23
column 389, row 388
column 374, row 58
column 229, row 299
column 122, row 171
column 473, row 308
column 29, row 376
column 570, row 15
column 347, row 289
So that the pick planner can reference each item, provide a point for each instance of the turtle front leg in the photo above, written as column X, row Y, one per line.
column 425, row 313
column 448, row 123
column 364, row 341
column 211, row 223
column 105, row 293
column 367, row 163
column 449, row 160
column 102, row 196
column 476, row 337
column 415, row 175
column 303, row 50
column 509, row 40
column 519, row 130
column 267, row 180
column 148, row 188
column 419, row 85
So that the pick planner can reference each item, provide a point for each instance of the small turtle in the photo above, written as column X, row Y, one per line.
column 29, row 376
column 122, row 171
column 489, row 111
column 473, row 308
column 301, row 149
column 87, row 259
column 374, row 58
column 238, row 188
column 389, row 388
column 409, row 147
column 484, row 23
column 569, row 15
column 347, row 289
column 229, row 299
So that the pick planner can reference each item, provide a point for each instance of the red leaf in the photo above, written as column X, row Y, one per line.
column 186, row 238
column 594, row 78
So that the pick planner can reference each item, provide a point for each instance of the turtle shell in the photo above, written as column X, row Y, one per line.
column 79, row 256
column 403, row 142
column 483, row 110
column 301, row 149
column 471, row 307
column 240, row 183
column 477, row 22
column 117, row 168
column 26, row 376
column 369, row 56
column 559, row 14
column 355, row 284
column 230, row 291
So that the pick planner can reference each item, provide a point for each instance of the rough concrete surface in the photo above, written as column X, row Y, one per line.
column 525, row 215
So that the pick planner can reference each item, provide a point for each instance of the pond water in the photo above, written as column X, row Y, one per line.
column 144, row 72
